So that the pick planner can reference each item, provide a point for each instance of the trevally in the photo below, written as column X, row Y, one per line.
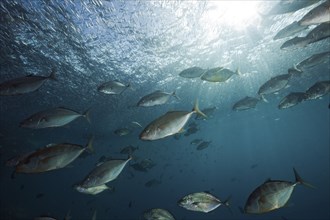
column 156, row 98
column 245, row 103
column 192, row 72
column 319, row 14
column 157, row 214
column 113, row 87
column 292, row 99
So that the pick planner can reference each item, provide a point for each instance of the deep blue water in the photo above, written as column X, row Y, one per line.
column 147, row 44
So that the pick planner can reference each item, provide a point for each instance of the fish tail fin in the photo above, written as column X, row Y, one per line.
column 196, row 109
column 52, row 74
column 86, row 115
column 238, row 71
column 262, row 97
column 300, row 180
column 295, row 70
column 226, row 203
column 174, row 94
column 89, row 146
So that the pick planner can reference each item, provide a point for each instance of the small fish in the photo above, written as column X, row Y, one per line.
column 289, row 30
column 104, row 173
column 296, row 43
column 271, row 195
column 191, row 130
column 318, row 15
column 112, row 87
column 156, row 98
column 196, row 141
column 128, row 150
column 139, row 167
column 203, row 145
column 245, row 103
column 147, row 163
column 152, row 183
column 122, row 131
column 169, row 124
column 318, row 90
column 158, row 214
column 292, row 99
column 201, row 202
column 55, row 117
column 218, row 74
column 93, row 190
column 24, row 85
column 192, row 72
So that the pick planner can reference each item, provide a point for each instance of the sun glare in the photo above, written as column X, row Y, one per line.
column 235, row 14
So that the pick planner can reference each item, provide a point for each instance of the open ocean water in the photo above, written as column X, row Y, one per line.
column 146, row 44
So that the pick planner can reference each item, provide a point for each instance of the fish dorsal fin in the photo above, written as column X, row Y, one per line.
column 268, row 180
column 206, row 191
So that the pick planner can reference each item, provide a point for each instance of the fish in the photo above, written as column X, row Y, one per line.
column 93, row 190
column 218, row 74
column 152, row 183
column 272, row 195
column 139, row 167
column 104, row 173
column 313, row 60
column 296, row 43
column 122, row 131
column 201, row 202
column 168, row 124
column 39, row 195
column 55, row 117
column 319, row 33
column 157, row 214
column 51, row 157
column 23, row 85
column 318, row 90
column 129, row 149
column 196, row 141
column 44, row 218
column 318, row 15
column 203, row 145
column 147, row 163
column 191, row 130
column 113, row 87
column 207, row 111
column 156, row 98
column 274, row 84
column 292, row 99
column 245, row 103
column 284, row 7
column 192, row 72
column 289, row 30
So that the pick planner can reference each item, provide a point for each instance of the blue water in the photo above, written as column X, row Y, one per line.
column 147, row 44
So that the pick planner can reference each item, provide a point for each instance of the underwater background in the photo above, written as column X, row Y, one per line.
column 146, row 44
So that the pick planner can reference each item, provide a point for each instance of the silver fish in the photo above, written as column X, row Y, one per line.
column 93, row 190
column 158, row 214
column 104, row 173
column 271, row 195
column 296, row 43
column 290, row 6
column 112, row 87
column 274, row 84
column 218, row 74
column 169, row 124
column 318, row 15
column 319, row 33
column 313, row 60
column 318, row 90
column 196, row 141
column 51, row 157
column 192, row 72
column 24, row 85
column 55, row 117
column 245, row 103
column 289, row 30
column 155, row 98
column 292, row 99
column 207, row 111
column 201, row 202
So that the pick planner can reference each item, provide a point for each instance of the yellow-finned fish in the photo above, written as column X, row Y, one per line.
column 168, row 124
column 158, row 214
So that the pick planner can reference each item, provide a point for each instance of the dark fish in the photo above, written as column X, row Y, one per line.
column 245, row 103
column 274, row 84
column 318, row 90
column 292, row 99
column 24, row 85
column 254, row 166
column 130, row 204
column 157, row 214
column 191, row 130
column 271, row 195
column 156, row 98
column 196, row 141
column 152, row 183
column 39, row 195
column 192, row 72
column 128, row 150
column 218, row 74
column 203, row 145
column 296, row 43
column 139, row 167
column 122, row 131
column 289, row 30
column 313, row 60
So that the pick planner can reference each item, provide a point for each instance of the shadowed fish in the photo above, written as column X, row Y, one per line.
column 245, row 103
column 314, row 60
column 55, row 117
column 93, row 190
column 296, row 43
column 169, row 124
column 318, row 90
column 192, row 72
column 274, row 84
column 218, row 74
column 201, row 202
column 318, row 15
column 122, row 131
column 284, row 7
column 289, row 30
column 319, row 33
column 156, row 98
column 24, row 85
column 104, row 173
column 139, row 167
column 203, row 145
column 271, row 195
column 128, row 150
column 207, row 111
column 113, row 87
column 152, row 183
column 196, row 141
column 51, row 157
column 158, row 214
column 294, row 98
